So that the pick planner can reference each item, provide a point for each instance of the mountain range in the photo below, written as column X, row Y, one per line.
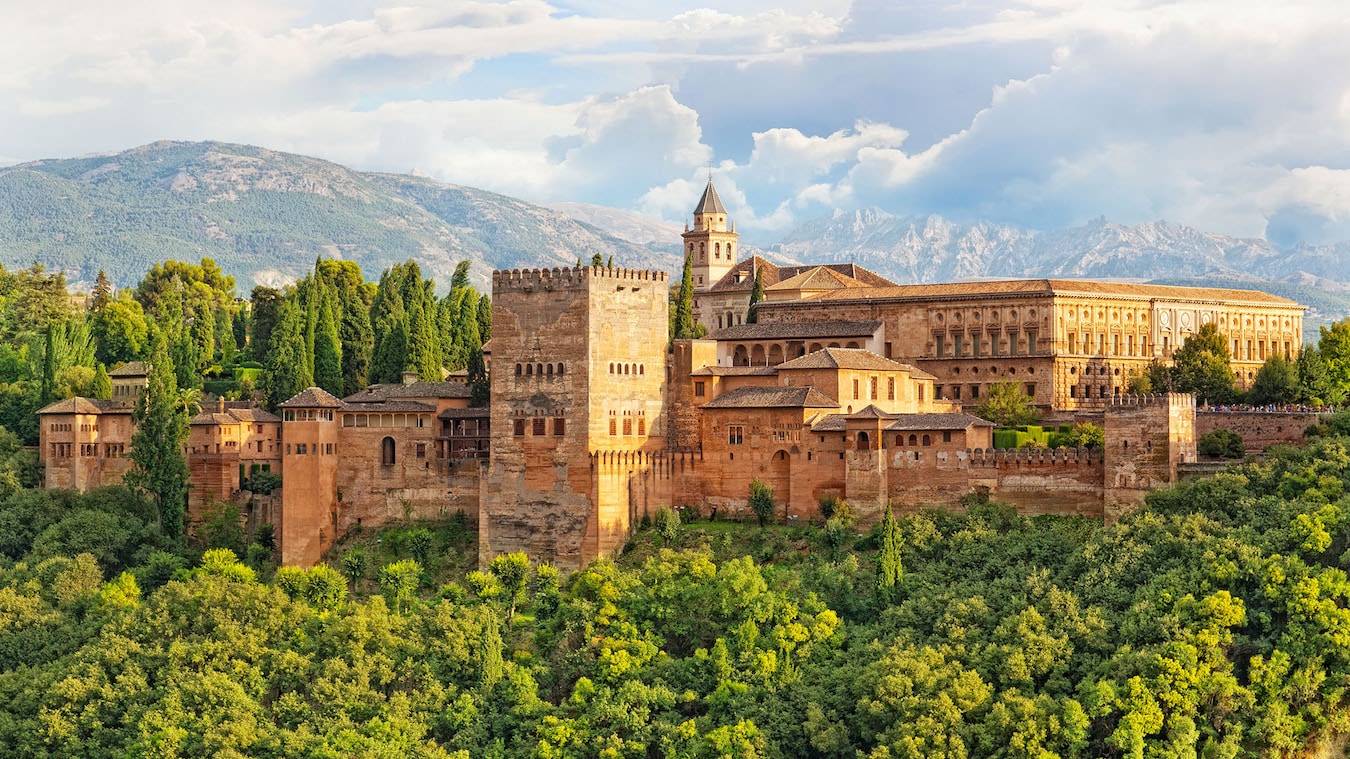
column 266, row 215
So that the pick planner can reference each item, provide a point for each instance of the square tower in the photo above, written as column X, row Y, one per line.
column 578, row 377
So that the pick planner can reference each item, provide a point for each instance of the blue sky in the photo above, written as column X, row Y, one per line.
column 1229, row 115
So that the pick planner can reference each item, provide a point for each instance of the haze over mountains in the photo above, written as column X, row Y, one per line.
column 266, row 215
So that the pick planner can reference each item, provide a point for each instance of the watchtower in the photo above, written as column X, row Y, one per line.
column 309, row 428
column 579, row 366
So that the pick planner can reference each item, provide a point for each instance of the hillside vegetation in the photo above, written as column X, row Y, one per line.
column 266, row 215
column 1214, row 622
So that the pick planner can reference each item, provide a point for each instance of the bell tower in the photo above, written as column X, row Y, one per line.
column 710, row 244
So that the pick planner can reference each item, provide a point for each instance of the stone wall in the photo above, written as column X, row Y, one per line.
column 1259, row 429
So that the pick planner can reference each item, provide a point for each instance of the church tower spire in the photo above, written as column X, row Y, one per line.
column 710, row 243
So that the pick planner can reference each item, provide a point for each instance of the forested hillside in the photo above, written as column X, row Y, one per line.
column 1214, row 623
column 264, row 216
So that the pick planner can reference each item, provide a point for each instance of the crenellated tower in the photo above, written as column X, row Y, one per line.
column 710, row 242
column 578, row 368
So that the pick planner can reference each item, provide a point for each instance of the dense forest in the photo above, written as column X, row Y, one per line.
column 1213, row 622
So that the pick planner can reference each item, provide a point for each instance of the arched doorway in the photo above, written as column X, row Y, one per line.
column 740, row 357
column 864, row 441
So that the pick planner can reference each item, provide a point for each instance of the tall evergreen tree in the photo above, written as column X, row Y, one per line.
column 48, row 389
column 756, row 295
column 424, row 355
column 479, row 388
column 101, row 389
column 327, row 350
column 265, row 308
column 103, row 293
column 158, row 466
column 485, row 318
column 284, row 371
column 684, row 302
column 889, row 568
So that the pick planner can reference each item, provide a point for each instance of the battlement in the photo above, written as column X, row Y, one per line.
column 1008, row 457
column 525, row 280
column 1174, row 400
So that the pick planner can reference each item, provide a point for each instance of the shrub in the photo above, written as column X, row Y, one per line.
column 1221, row 444
column 667, row 523
column 761, row 501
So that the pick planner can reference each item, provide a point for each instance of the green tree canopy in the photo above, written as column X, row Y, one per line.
column 1007, row 405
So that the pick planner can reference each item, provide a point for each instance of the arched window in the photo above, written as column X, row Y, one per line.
column 717, row 250
column 548, row 369
column 642, row 369
column 864, row 442
column 529, row 370
column 539, row 369
column 927, row 440
column 611, row 367
column 560, row 369
column 913, row 440
column 387, row 451
column 517, row 370
column 899, row 440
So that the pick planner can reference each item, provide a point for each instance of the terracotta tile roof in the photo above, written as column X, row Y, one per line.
column 252, row 415
column 81, row 405
column 394, row 392
column 843, row 358
column 817, row 278
column 710, row 203
column 795, row 330
column 772, row 397
column 213, row 417
column 950, row 421
column 1048, row 287
column 772, row 274
column 131, row 369
column 906, row 422
column 313, row 397
column 735, row 371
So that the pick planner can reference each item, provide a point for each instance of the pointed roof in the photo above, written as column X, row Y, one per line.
column 81, row 405
column 843, row 358
column 710, row 203
column 818, row 278
column 741, row 277
column 131, row 369
column 312, row 397
column 801, row 396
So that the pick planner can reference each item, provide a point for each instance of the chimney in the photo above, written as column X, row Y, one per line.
column 409, row 377
column 220, row 404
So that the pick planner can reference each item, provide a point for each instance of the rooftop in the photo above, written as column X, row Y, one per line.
column 847, row 358
column 312, row 397
column 741, row 277
column 1049, row 287
column 389, row 392
column 131, row 369
column 80, row 405
column 902, row 422
column 710, row 203
column 772, row 397
column 735, row 371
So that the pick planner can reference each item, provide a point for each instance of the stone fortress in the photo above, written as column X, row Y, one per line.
column 848, row 385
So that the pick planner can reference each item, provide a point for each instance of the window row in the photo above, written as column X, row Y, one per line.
column 61, row 427
column 308, row 415
column 539, row 370
column 538, row 426
column 86, row 450
column 956, row 345
column 386, row 421
column 310, row 449
column 638, row 369
column 953, row 392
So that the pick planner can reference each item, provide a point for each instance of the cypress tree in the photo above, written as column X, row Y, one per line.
column 158, row 466
column 756, row 295
column 327, row 351
column 468, row 321
column 102, row 293
column 597, row 260
column 265, row 307
column 284, row 371
column 479, row 389
column 485, row 318
column 684, row 302
column 453, row 351
column 423, row 349
column 889, row 570
column 101, row 389
column 48, row 389
column 358, row 342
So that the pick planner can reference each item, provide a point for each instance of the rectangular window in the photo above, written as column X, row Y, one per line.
column 1073, row 342
column 699, row 388
column 519, row 428
column 873, row 384
column 890, row 388
column 937, row 392
column 941, row 345
column 420, row 450
column 613, row 426
column 538, row 427
column 855, row 389
column 559, row 426
column 642, row 426
column 921, row 392
column 627, row 426
column 1031, row 390
column 735, row 434
column 328, row 448
column 888, row 350
column 946, row 436
column 956, row 392
column 1073, row 391
column 1129, row 345
column 974, row 392
column 1115, row 345
column 301, row 448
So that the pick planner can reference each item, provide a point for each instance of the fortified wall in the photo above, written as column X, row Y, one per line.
column 1259, row 429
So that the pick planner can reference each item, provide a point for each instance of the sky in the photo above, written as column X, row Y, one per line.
column 1232, row 116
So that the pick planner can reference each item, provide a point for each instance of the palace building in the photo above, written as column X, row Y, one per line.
column 848, row 386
